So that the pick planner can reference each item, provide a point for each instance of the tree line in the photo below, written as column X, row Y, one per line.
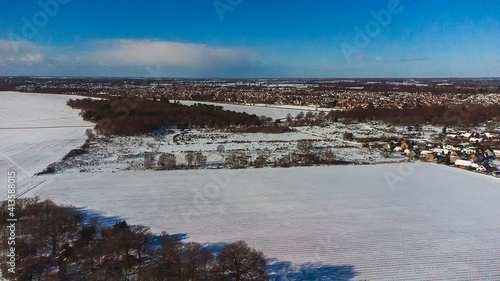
column 457, row 115
column 119, row 116
column 55, row 243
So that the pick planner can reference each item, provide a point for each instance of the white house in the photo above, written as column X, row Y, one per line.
column 469, row 150
column 441, row 151
column 474, row 140
column 466, row 164
column 451, row 147
column 497, row 153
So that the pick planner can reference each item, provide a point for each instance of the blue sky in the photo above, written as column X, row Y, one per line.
column 248, row 38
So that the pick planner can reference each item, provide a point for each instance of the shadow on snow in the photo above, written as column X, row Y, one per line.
column 283, row 270
column 278, row 270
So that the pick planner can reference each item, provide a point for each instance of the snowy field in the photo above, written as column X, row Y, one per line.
column 376, row 222
column 380, row 222
column 36, row 130
column 127, row 153
column 273, row 111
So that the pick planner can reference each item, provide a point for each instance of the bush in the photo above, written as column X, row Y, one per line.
column 261, row 161
column 221, row 149
column 348, row 136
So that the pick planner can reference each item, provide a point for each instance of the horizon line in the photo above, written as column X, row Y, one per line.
column 241, row 78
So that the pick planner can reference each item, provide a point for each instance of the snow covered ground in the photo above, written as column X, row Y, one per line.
column 380, row 222
column 273, row 111
column 127, row 153
column 36, row 130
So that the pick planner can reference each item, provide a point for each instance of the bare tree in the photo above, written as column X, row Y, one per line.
column 189, row 158
column 142, row 239
column 299, row 119
column 196, row 261
column 170, row 252
column 320, row 119
column 289, row 120
column 237, row 261
column 237, row 160
column 57, row 224
column 167, row 161
column 149, row 161
column 90, row 134
column 309, row 119
column 200, row 159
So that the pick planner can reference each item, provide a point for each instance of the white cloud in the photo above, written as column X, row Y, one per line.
column 163, row 53
column 379, row 59
column 31, row 58
column 132, row 57
column 20, row 52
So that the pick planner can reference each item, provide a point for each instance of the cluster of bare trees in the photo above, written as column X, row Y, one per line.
column 306, row 155
column 238, row 160
column 138, row 116
column 192, row 261
column 195, row 159
column 168, row 161
column 295, row 159
column 54, row 243
column 308, row 119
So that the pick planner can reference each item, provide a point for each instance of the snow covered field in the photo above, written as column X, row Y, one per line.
column 127, row 153
column 36, row 130
column 273, row 111
column 381, row 222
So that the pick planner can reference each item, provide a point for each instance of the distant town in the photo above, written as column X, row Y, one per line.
column 315, row 93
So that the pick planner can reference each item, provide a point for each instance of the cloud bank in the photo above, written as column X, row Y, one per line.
column 175, row 54
column 154, row 58
column 21, row 52
column 131, row 57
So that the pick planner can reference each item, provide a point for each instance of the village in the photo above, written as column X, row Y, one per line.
column 476, row 151
column 337, row 94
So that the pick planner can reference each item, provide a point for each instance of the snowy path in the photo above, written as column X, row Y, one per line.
column 435, row 223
